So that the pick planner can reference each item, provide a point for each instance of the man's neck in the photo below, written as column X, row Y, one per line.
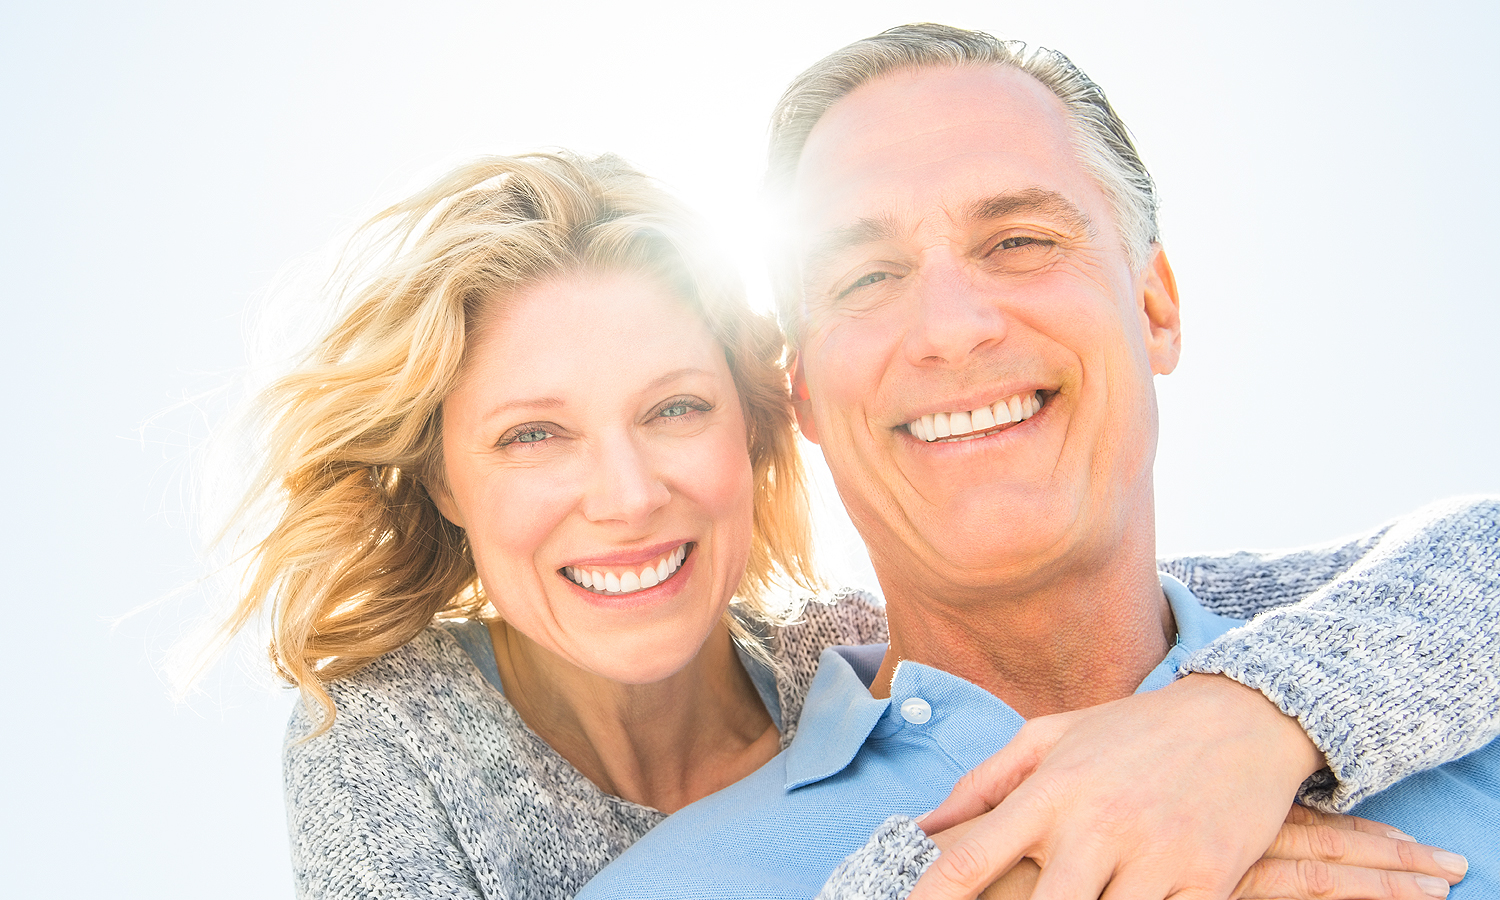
column 1072, row 641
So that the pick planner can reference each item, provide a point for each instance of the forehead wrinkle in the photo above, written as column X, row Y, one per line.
column 1038, row 201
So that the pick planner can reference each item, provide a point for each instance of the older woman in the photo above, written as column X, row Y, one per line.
column 539, row 527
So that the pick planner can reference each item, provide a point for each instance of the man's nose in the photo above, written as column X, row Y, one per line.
column 954, row 314
column 626, row 485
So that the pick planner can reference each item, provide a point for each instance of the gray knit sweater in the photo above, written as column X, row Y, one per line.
column 430, row 785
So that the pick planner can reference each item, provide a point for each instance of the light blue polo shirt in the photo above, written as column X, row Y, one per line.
column 857, row 760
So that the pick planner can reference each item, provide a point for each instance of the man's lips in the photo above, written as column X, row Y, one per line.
column 628, row 579
column 970, row 423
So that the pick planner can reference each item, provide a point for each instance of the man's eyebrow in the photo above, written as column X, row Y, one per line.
column 831, row 243
column 869, row 230
column 1038, row 201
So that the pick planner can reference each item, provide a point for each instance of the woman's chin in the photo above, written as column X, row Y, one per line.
column 658, row 658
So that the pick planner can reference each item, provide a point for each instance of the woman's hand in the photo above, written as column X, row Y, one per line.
column 1171, row 793
column 1315, row 856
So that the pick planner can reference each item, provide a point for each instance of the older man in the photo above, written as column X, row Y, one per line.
column 980, row 304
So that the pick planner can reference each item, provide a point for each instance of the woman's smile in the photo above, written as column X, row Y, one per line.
column 603, row 578
column 605, row 487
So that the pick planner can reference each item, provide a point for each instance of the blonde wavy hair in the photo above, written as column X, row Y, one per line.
column 359, row 560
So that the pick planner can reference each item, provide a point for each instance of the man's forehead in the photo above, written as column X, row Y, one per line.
column 936, row 136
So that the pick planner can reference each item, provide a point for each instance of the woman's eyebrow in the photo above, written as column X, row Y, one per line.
column 676, row 375
column 544, row 403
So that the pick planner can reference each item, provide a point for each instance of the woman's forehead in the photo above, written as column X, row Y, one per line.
column 590, row 333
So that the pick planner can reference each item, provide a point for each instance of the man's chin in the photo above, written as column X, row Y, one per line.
column 952, row 564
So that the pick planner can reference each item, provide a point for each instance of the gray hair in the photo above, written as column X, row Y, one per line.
column 1100, row 138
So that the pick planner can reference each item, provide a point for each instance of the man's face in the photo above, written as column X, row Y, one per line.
column 963, row 275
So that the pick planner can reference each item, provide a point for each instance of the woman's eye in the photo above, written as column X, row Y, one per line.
column 529, row 434
column 676, row 409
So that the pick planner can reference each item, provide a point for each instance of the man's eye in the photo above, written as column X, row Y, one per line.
column 865, row 281
column 1012, row 243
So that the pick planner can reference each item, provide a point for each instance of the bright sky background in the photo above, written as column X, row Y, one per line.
column 1330, row 194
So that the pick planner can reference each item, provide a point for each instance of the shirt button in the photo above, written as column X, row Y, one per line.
column 916, row 711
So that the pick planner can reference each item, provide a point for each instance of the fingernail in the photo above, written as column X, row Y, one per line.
column 1451, row 862
column 1400, row 836
column 1432, row 886
column 922, row 819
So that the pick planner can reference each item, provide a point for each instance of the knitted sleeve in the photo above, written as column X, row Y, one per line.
column 1390, row 655
column 886, row 867
column 364, row 820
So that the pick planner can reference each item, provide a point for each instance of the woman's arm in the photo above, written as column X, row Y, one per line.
column 1391, row 663
column 1357, row 858
column 1397, row 603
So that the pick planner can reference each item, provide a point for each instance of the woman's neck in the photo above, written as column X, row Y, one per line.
column 661, row 745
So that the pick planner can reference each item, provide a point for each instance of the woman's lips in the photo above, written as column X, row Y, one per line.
column 617, row 580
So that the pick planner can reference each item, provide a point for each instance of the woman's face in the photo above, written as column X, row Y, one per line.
column 595, row 454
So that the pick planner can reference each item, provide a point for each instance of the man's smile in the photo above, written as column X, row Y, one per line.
column 975, row 423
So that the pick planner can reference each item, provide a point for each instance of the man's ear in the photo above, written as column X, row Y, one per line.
column 1161, row 318
column 802, row 402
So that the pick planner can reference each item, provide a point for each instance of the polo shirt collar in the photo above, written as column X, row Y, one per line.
column 840, row 714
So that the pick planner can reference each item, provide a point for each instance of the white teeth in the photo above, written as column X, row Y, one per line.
column 628, row 582
column 956, row 425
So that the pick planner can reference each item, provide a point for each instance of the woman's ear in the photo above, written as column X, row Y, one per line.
column 442, row 498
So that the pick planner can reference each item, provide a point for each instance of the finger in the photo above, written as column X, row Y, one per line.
column 1301, row 815
column 991, row 844
column 1069, row 876
column 1307, row 879
column 960, row 872
column 1360, row 848
column 1017, row 884
column 982, row 788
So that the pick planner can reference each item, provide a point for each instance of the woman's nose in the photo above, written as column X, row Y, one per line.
column 626, row 486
